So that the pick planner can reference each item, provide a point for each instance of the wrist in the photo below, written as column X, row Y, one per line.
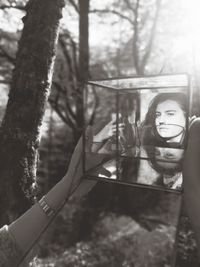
column 45, row 207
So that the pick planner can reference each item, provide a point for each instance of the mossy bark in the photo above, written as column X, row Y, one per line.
column 20, row 129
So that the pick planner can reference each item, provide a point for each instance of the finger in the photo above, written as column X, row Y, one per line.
column 120, row 125
column 114, row 117
column 114, row 127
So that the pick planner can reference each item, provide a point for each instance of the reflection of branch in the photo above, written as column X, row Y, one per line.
column 10, row 6
column 104, row 11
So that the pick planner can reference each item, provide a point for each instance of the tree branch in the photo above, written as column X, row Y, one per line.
column 69, row 110
column 135, row 39
column 75, row 6
column 66, row 54
column 58, row 111
column 130, row 6
column 58, row 87
column 74, row 50
column 69, row 117
column 152, row 35
column 10, row 6
column 104, row 11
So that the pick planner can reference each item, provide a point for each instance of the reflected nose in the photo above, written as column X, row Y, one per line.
column 161, row 119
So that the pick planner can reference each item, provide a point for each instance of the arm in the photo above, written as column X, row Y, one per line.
column 28, row 228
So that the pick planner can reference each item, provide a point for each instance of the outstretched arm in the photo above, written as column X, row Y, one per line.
column 29, row 226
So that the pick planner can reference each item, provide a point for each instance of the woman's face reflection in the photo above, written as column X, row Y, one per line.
column 168, row 158
column 170, row 119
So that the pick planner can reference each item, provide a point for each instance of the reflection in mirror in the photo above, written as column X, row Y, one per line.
column 107, row 168
column 167, row 164
column 166, row 120
column 116, row 133
column 139, row 130
column 159, row 167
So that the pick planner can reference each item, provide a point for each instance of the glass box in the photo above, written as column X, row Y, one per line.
column 136, row 130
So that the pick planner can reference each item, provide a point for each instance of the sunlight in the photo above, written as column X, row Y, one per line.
column 192, row 30
column 181, row 35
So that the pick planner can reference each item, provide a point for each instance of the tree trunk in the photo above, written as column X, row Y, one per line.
column 83, row 60
column 20, row 129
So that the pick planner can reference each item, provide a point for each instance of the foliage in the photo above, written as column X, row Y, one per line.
column 116, row 239
column 187, row 250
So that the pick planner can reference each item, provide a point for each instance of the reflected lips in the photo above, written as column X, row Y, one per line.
column 162, row 128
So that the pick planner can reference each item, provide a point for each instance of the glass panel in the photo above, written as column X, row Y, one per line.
column 138, row 133
column 101, row 143
column 145, row 82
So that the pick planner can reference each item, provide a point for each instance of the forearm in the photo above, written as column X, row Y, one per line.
column 29, row 226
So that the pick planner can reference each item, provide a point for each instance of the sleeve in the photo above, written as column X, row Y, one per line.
column 10, row 253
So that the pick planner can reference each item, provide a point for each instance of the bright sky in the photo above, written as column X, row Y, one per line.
column 179, row 33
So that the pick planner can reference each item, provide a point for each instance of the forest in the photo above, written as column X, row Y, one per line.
column 49, row 49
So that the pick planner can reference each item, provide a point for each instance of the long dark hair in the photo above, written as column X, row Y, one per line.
column 150, row 134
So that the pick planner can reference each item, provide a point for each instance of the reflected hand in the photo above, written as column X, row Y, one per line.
column 108, row 131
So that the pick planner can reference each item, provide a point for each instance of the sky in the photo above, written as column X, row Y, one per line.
column 101, row 29
column 178, row 32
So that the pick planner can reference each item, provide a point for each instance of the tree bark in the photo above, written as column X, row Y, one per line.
column 20, row 129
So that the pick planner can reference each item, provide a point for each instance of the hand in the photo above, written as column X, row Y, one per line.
column 73, row 179
column 108, row 131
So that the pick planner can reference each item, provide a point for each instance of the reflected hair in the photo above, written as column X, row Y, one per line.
column 150, row 135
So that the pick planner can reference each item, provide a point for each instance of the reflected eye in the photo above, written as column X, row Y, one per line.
column 171, row 113
column 158, row 114
column 169, row 155
column 157, row 152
